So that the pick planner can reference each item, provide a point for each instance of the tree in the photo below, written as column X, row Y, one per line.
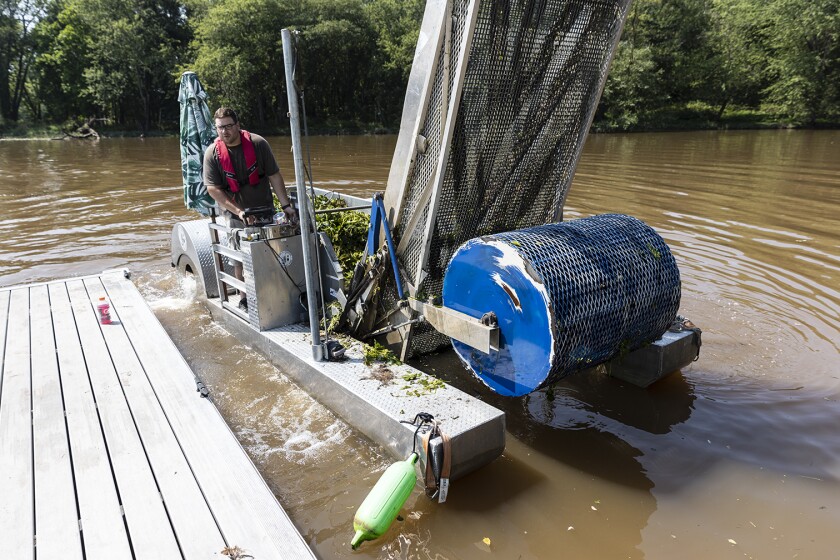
column 134, row 45
column 631, row 88
column 17, row 19
column 239, row 55
column 396, row 24
column 738, row 37
column 62, row 55
column 805, row 59
column 338, row 52
column 397, row 27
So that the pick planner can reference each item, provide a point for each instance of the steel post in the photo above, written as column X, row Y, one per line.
column 304, row 210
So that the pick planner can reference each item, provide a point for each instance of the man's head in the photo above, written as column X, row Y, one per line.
column 227, row 125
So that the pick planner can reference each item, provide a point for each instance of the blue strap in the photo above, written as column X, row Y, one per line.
column 377, row 217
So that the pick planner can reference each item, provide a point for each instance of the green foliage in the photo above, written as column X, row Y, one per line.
column 239, row 56
column 805, row 59
column 347, row 231
column 738, row 37
column 397, row 26
column 741, row 56
column 63, row 55
column 112, row 58
column 378, row 353
column 17, row 20
column 679, row 63
column 631, row 89
column 336, row 53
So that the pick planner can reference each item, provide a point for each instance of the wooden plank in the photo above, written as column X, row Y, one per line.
column 56, row 517
column 245, row 507
column 4, row 322
column 103, row 530
column 17, row 513
column 148, row 524
column 195, row 528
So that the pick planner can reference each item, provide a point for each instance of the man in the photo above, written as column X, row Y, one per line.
column 240, row 171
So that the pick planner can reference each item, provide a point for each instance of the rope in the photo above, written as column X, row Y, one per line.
column 682, row 324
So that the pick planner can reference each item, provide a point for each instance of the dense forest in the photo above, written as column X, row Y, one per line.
column 117, row 63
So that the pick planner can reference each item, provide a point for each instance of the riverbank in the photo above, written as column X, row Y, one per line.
column 697, row 117
column 26, row 131
column 682, row 119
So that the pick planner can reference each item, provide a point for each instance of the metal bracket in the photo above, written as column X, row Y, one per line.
column 460, row 326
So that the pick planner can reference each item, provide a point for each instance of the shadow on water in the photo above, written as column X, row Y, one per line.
column 581, row 419
column 519, row 478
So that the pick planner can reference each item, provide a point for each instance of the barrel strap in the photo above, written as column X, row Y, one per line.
column 437, row 486
column 429, row 477
column 443, row 490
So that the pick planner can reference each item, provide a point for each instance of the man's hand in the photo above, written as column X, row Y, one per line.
column 246, row 220
column 291, row 214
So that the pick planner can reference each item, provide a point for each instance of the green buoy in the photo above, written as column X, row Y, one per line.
column 382, row 505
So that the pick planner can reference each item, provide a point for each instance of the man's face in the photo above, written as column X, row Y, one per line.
column 228, row 131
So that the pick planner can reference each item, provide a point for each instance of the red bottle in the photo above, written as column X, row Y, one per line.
column 104, row 311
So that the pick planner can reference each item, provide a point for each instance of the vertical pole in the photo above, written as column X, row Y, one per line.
column 306, row 225
column 218, row 260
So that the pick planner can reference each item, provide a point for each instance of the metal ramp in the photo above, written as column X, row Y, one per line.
column 106, row 449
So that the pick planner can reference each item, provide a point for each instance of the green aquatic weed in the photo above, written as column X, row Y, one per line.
column 378, row 353
column 420, row 384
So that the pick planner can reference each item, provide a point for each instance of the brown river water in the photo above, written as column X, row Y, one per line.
column 736, row 456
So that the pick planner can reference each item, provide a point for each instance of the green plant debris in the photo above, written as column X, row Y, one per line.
column 654, row 251
column 347, row 231
column 378, row 353
column 334, row 315
column 420, row 384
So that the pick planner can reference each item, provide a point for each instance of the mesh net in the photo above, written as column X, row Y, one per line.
column 612, row 282
column 532, row 80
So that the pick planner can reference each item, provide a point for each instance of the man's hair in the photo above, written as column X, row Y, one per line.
column 223, row 112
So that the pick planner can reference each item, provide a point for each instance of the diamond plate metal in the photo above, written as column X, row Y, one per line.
column 375, row 408
column 192, row 239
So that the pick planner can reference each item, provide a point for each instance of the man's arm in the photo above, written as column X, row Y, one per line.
column 224, row 201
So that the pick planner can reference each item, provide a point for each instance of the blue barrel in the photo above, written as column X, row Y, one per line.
column 567, row 296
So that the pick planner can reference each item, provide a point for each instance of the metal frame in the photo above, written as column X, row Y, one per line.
column 451, row 116
column 416, row 105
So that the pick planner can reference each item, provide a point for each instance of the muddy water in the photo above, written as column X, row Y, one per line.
column 736, row 456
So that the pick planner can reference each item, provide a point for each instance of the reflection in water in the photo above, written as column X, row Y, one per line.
column 741, row 446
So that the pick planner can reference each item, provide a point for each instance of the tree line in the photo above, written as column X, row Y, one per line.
column 119, row 62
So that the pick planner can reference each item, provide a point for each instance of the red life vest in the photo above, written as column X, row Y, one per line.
column 250, row 161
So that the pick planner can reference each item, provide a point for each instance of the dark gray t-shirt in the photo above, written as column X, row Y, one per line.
column 249, row 196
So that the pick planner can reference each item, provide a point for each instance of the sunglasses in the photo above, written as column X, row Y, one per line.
column 225, row 127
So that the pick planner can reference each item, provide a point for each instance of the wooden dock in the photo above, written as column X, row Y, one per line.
column 107, row 451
